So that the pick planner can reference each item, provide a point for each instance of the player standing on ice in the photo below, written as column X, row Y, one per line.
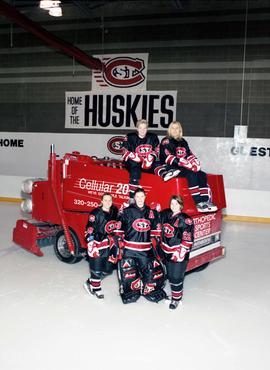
column 101, row 223
column 177, row 240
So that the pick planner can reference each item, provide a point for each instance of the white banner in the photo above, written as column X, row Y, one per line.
column 89, row 110
column 121, row 72
column 243, row 167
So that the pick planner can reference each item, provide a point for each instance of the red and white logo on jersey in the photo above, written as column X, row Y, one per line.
column 115, row 145
column 165, row 141
column 168, row 230
column 144, row 149
column 110, row 226
column 121, row 72
column 180, row 152
column 141, row 225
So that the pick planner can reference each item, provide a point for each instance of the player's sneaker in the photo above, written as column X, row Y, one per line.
column 90, row 290
column 171, row 174
column 202, row 207
column 211, row 207
column 174, row 304
column 206, row 207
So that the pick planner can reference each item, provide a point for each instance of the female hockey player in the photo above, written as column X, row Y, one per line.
column 180, row 161
column 177, row 240
column 140, row 152
column 139, row 271
column 101, row 223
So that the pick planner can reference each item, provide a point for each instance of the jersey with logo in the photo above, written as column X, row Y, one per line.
column 172, row 150
column 137, row 225
column 100, row 224
column 177, row 231
column 142, row 147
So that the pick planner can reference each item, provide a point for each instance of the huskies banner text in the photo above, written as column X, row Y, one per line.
column 120, row 110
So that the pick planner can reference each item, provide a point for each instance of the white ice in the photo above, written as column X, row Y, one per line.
column 48, row 321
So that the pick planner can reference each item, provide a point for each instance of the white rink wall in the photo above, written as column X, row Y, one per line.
column 245, row 167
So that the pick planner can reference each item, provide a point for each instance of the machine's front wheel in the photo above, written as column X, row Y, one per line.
column 61, row 248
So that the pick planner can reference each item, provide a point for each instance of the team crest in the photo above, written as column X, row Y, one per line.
column 144, row 149
column 115, row 145
column 168, row 230
column 141, row 225
column 181, row 152
column 121, row 72
column 110, row 226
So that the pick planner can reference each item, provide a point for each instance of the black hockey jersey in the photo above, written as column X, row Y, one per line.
column 171, row 150
column 148, row 145
column 137, row 225
column 177, row 231
column 100, row 224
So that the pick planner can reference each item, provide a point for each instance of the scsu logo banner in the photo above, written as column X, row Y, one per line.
column 119, row 110
column 121, row 72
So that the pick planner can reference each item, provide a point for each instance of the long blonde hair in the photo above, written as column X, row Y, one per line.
column 170, row 128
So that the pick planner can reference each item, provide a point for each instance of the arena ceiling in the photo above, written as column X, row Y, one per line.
column 74, row 9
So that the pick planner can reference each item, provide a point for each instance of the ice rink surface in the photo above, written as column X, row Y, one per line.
column 48, row 321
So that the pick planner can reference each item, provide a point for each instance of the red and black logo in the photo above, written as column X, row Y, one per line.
column 141, row 225
column 168, row 230
column 110, row 226
column 115, row 145
column 121, row 72
column 144, row 149
column 181, row 152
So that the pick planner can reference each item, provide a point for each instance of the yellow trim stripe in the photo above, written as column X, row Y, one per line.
column 13, row 200
column 262, row 220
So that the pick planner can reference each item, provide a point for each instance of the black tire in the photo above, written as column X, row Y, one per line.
column 61, row 248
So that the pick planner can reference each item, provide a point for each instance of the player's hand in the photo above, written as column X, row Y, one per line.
column 179, row 255
column 147, row 161
column 185, row 163
column 196, row 166
column 92, row 249
column 134, row 157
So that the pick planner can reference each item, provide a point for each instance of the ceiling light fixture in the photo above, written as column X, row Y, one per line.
column 56, row 12
column 52, row 6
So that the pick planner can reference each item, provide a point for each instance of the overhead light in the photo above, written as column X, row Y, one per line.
column 47, row 4
column 52, row 6
column 56, row 12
